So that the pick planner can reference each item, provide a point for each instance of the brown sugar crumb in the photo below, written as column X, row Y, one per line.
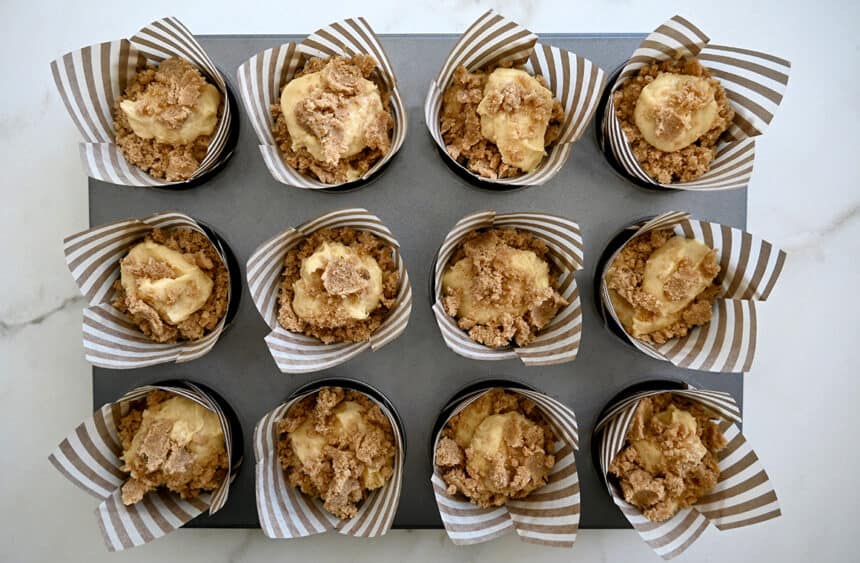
column 499, row 447
column 690, row 162
column 625, row 278
column 323, row 116
column 339, row 286
column 336, row 445
column 170, row 441
column 461, row 124
column 500, row 286
column 669, row 460
column 196, row 249
column 169, row 92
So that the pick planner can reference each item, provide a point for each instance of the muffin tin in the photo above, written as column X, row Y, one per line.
column 420, row 199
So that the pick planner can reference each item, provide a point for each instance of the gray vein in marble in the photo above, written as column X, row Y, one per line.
column 813, row 236
column 11, row 327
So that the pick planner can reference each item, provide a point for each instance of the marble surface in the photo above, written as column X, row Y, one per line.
column 804, row 196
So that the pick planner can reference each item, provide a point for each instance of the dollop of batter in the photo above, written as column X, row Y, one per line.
column 165, row 118
column 662, row 285
column 669, row 460
column 338, row 285
column 173, row 285
column 497, row 448
column 500, row 287
column 337, row 445
column 332, row 121
column 515, row 113
column 499, row 122
column 674, row 110
column 171, row 441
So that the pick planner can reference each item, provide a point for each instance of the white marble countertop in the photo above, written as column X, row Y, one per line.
column 804, row 196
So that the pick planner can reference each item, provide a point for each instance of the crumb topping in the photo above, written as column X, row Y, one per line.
column 499, row 447
column 336, row 445
column 341, row 119
column 163, row 103
column 691, row 161
column 671, row 296
column 500, row 287
column 461, row 123
column 344, row 299
column 173, row 442
column 195, row 249
column 669, row 460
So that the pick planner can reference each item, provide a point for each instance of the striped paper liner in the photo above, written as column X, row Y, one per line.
column 556, row 343
column 749, row 269
column 743, row 495
column 548, row 516
column 754, row 82
column 90, row 458
column 285, row 512
column 111, row 339
column 575, row 81
column 91, row 79
column 262, row 76
column 298, row 353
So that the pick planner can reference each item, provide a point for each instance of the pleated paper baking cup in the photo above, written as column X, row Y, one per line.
column 749, row 270
column 285, row 512
column 111, row 339
column 755, row 83
column 90, row 458
column 263, row 75
column 575, row 81
column 91, row 79
column 743, row 495
column 549, row 515
column 298, row 353
column 556, row 343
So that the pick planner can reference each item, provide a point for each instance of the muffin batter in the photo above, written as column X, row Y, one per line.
column 338, row 285
column 173, row 442
column 165, row 118
column 669, row 461
column 662, row 285
column 497, row 448
column 173, row 285
column 337, row 445
column 333, row 122
column 673, row 114
column 499, row 287
column 499, row 122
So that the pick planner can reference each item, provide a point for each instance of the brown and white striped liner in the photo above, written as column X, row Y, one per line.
column 548, row 516
column 749, row 270
column 743, row 495
column 754, row 82
column 263, row 75
column 90, row 458
column 559, row 341
column 575, row 81
column 91, row 79
column 298, row 353
column 111, row 340
column 285, row 512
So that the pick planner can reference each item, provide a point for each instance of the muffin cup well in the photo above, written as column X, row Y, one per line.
column 556, row 343
column 755, row 83
column 749, row 269
column 92, row 78
column 298, row 353
column 262, row 76
column 467, row 523
column 90, row 458
column 575, row 81
column 110, row 339
column 285, row 512
column 743, row 495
